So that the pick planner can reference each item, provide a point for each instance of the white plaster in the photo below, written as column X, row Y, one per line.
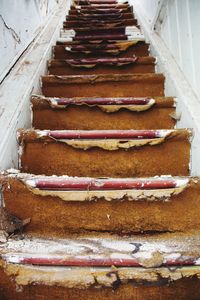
column 22, row 81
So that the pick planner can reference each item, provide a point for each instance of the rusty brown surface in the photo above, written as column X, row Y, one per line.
column 97, row 50
column 92, row 117
column 127, row 85
column 112, row 23
column 180, row 289
column 46, row 156
column 66, row 67
column 180, row 213
column 107, row 16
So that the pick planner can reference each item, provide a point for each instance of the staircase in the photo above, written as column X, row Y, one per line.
column 103, row 206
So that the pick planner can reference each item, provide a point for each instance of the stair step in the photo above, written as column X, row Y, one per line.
column 91, row 2
column 126, row 85
column 98, row 23
column 104, row 65
column 102, row 113
column 123, row 205
column 106, row 16
column 170, row 268
column 96, row 30
column 100, row 10
column 66, row 50
column 131, row 33
column 105, row 30
column 101, row 6
column 151, row 251
column 128, row 153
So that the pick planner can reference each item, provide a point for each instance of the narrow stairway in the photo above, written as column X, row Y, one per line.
column 103, row 205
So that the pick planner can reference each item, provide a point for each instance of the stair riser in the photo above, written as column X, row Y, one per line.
column 161, row 289
column 65, row 69
column 101, row 17
column 127, row 86
column 104, row 30
column 52, row 157
column 180, row 213
column 139, row 49
column 100, row 6
column 95, row 31
column 89, row 118
column 102, row 12
column 104, row 2
column 77, row 23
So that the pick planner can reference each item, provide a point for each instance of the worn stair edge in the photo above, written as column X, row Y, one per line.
column 97, row 10
column 102, row 113
column 94, row 6
column 138, row 153
column 122, row 49
column 127, row 30
column 104, row 65
column 123, row 85
column 99, row 23
column 106, row 16
column 151, row 251
column 90, row 2
column 130, row 33
column 102, row 282
column 123, row 206
column 22, row 282
column 107, row 29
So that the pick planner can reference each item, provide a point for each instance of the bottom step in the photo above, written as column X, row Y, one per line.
column 77, row 205
column 160, row 266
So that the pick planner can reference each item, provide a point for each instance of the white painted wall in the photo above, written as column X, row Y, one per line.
column 20, row 22
column 173, row 28
column 177, row 22
column 24, row 80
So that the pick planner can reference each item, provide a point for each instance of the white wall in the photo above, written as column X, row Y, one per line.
column 174, row 33
column 20, row 22
column 24, row 77
column 177, row 22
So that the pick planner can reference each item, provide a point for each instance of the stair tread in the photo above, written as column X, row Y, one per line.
column 106, row 135
column 139, row 102
column 135, row 251
column 63, row 151
column 116, row 205
column 103, row 113
column 122, row 49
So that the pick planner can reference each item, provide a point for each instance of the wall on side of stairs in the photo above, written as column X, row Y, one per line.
column 172, row 28
column 24, row 80
column 20, row 22
column 177, row 23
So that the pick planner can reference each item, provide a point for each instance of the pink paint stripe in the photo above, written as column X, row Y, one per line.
column 91, row 184
column 98, row 16
column 99, row 11
column 95, row 47
column 98, row 262
column 91, row 61
column 105, row 101
column 88, row 2
column 98, row 23
column 105, row 134
column 100, row 37
column 101, row 6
